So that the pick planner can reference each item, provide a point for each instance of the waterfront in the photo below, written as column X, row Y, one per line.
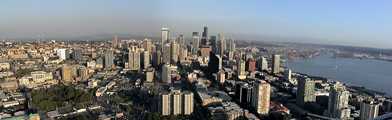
column 372, row 74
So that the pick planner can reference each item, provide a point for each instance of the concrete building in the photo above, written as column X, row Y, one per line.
column 166, row 58
column 305, row 91
column 63, row 53
column 109, row 59
column 150, row 75
column 221, row 76
column 67, row 74
column 338, row 102
column 177, row 102
column 146, row 59
column 222, row 44
column 241, row 69
column 134, row 59
column 276, row 64
column 195, row 43
column 166, row 73
column 287, row 74
column 174, row 47
column 369, row 109
column 188, row 104
column 164, row 36
column 261, row 97
column 41, row 76
column 263, row 64
column 165, row 103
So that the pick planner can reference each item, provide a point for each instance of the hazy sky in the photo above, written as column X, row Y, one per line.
column 346, row 22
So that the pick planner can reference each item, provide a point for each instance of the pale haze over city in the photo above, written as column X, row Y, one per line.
column 349, row 22
column 195, row 60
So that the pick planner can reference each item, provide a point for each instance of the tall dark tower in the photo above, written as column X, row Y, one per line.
column 204, row 37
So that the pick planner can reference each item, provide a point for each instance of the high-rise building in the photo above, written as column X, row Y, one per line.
column 166, row 73
column 214, row 64
column 133, row 58
column 204, row 37
column 166, row 56
column 164, row 36
column 147, row 45
column 369, row 109
column 241, row 69
column 251, row 65
column 275, row 64
column 338, row 102
column 183, row 54
column 156, row 58
column 174, row 52
column 77, row 54
column 231, row 45
column 246, row 95
column 222, row 44
column 187, row 103
column 180, row 40
column 287, row 74
column 195, row 43
column 109, row 59
column 150, row 75
column 63, row 53
column 263, row 64
column 146, row 59
column 177, row 102
column 165, row 104
column 83, row 73
column 261, row 97
column 305, row 91
column 221, row 76
column 214, row 44
column 115, row 41
column 66, row 74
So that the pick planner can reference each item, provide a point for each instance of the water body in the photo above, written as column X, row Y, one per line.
column 373, row 74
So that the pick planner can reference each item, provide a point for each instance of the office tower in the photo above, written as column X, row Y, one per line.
column 77, row 54
column 261, row 97
column 230, row 55
column 83, row 73
column 164, row 36
column 221, row 76
column 263, row 64
column 177, row 102
column 205, row 51
column 66, row 74
column 156, row 58
column 214, row 64
column 231, row 45
column 305, row 91
column 275, row 64
column 246, row 95
column 241, row 69
column 180, row 40
column 195, row 43
column 150, row 75
column 147, row 45
column 187, row 103
column 251, row 65
column 133, row 58
column 115, row 41
column 165, row 104
column 166, row 73
column 62, row 53
column 109, row 59
column 214, row 45
column 338, row 102
column 204, row 37
column 146, row 59
column 222, row 44
column 166, row 54
column 369, row 109
column 183, row 54
column 287, row 74
column 173, row 53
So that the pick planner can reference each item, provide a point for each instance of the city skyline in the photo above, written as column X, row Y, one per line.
column 356, row 23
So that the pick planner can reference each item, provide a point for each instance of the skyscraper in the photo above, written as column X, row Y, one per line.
column 222, row 44
column 369, row 109
column 177, row 102
column 251, row 65
column 166, row 73
column 195, row 43
column 166, row 56
column 146, row 59
column 115, row 41
column 305, row 91
column 338, row 102
column 231, row 45
column 287, row 74
column 66, row 74
column 147, row 45
column 77, row 54
column 164, row 36
column 173, row 52
column 109, row 59
column 241, row 69
column 150, row 75
column 275, row 64
column 187, row 102
column 214, row 44
column 261, row 97
column 180, row 40
column 263, row 64
column 204, row 38
column 133, row 58
column 165, row 104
